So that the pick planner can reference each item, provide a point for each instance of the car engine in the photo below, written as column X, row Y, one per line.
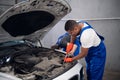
column 32, row 63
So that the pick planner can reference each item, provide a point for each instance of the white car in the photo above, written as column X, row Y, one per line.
column 22, row 56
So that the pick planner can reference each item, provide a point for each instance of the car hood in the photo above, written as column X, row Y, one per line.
column 31, row 19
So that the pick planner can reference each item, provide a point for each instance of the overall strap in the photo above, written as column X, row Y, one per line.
column 83, row 29
column 89, row 26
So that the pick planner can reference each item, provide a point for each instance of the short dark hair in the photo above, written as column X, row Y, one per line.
column 69, row 25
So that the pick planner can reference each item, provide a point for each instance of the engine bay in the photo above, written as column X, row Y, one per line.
column 32, row 63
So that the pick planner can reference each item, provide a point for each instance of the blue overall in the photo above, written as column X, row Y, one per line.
column 95, row 59
column 75, row 42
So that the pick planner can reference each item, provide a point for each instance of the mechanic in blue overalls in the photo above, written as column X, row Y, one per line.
column 63, row 41
column 92, row 48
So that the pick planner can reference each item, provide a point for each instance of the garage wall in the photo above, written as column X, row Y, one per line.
column 104, row 16
column 92, row 9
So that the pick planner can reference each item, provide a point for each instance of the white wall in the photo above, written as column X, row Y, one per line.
column 104, row 15
column 92, row 9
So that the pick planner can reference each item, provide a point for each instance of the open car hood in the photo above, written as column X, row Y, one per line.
column 32, row 18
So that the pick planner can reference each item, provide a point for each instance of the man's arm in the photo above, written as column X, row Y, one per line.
column 84, row 52
column 72, row 39
column 73, row 49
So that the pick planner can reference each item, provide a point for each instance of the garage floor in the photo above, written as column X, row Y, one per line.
column 110, row 75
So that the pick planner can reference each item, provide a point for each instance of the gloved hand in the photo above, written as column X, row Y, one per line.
column 68, row 60
column 69, row 47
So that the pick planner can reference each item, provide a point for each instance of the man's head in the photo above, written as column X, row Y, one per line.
column 72, row 27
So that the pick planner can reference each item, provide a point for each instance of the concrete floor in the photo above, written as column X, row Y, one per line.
column 110, row 75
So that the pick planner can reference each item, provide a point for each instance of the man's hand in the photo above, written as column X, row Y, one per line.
column 69, row 47
column 68, row 60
